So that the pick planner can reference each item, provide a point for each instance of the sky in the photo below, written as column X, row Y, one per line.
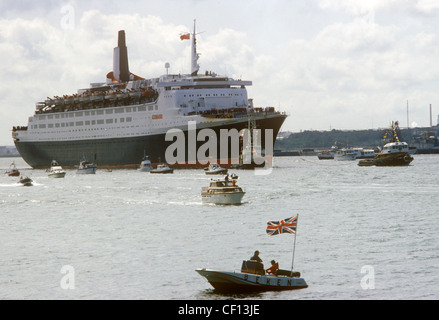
column 329, row 64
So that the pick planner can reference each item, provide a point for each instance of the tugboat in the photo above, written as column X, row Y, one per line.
column 162, row 168
column 215, row 168
column 223, row 191
column 394, row 153
column 13, row 171
column 86, row 167
column 56, row 171
column 253, row 277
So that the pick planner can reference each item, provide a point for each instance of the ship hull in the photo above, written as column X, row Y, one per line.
column 388, row 160
column 126, row 152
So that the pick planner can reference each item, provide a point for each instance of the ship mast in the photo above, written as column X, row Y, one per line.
column 194, row 57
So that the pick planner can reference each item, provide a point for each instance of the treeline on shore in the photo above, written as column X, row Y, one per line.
column 326, row 139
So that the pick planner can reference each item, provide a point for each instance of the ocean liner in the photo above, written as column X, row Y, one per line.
column 116, row 123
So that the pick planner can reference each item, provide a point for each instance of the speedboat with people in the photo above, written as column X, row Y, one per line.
column 394, row 153
column 215, row 168
column 86, row 167
column 162, row 169
column 13, row 171
column 253, row 277
column 223, row 191
column 56, row 171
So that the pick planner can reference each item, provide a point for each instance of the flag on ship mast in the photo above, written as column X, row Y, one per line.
column 185, row 36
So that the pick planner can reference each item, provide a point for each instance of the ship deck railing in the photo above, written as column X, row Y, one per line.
column 235, row 112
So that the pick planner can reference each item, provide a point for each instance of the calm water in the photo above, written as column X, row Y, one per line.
column 133, row 235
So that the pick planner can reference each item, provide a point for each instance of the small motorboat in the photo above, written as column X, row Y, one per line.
column 56, row 171
column 162, row 168
column 145, row 165
column 215, row 168
column 26, row 181
column 252, row 279
column 13, row 171
column 223, row 191
column 86, row 167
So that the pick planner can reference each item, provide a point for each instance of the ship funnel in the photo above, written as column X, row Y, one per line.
column 121, row 71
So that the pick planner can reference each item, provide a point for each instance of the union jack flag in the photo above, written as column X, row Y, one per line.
column 284, row 226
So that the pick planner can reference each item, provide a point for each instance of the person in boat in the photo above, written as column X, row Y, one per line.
column 256, row 257
column 273, row 269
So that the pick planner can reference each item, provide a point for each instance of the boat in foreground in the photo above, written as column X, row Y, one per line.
column 225, row 281
column 252, row 279
column 223, row 191
column 56, row 171
column 395, row 153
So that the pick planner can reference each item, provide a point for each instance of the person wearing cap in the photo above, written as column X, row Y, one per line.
column 256, row 256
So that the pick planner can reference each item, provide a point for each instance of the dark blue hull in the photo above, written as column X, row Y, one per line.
column 122, row 152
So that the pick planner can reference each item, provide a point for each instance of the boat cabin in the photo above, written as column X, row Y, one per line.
column 253, row 267
column 394, row 147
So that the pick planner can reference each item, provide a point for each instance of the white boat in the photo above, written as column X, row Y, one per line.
column 345, row 154
column 250, row 281
column 215, row 168
column 145, row 165
column 86, row 167
column 364, row 153
column 162, row 168
column 56, row 171
column 223, row 191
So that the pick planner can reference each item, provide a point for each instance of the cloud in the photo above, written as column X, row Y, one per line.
column 348, row 64
column 427, row 6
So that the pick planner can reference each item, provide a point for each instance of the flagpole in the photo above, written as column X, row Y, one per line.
column 294, row 247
